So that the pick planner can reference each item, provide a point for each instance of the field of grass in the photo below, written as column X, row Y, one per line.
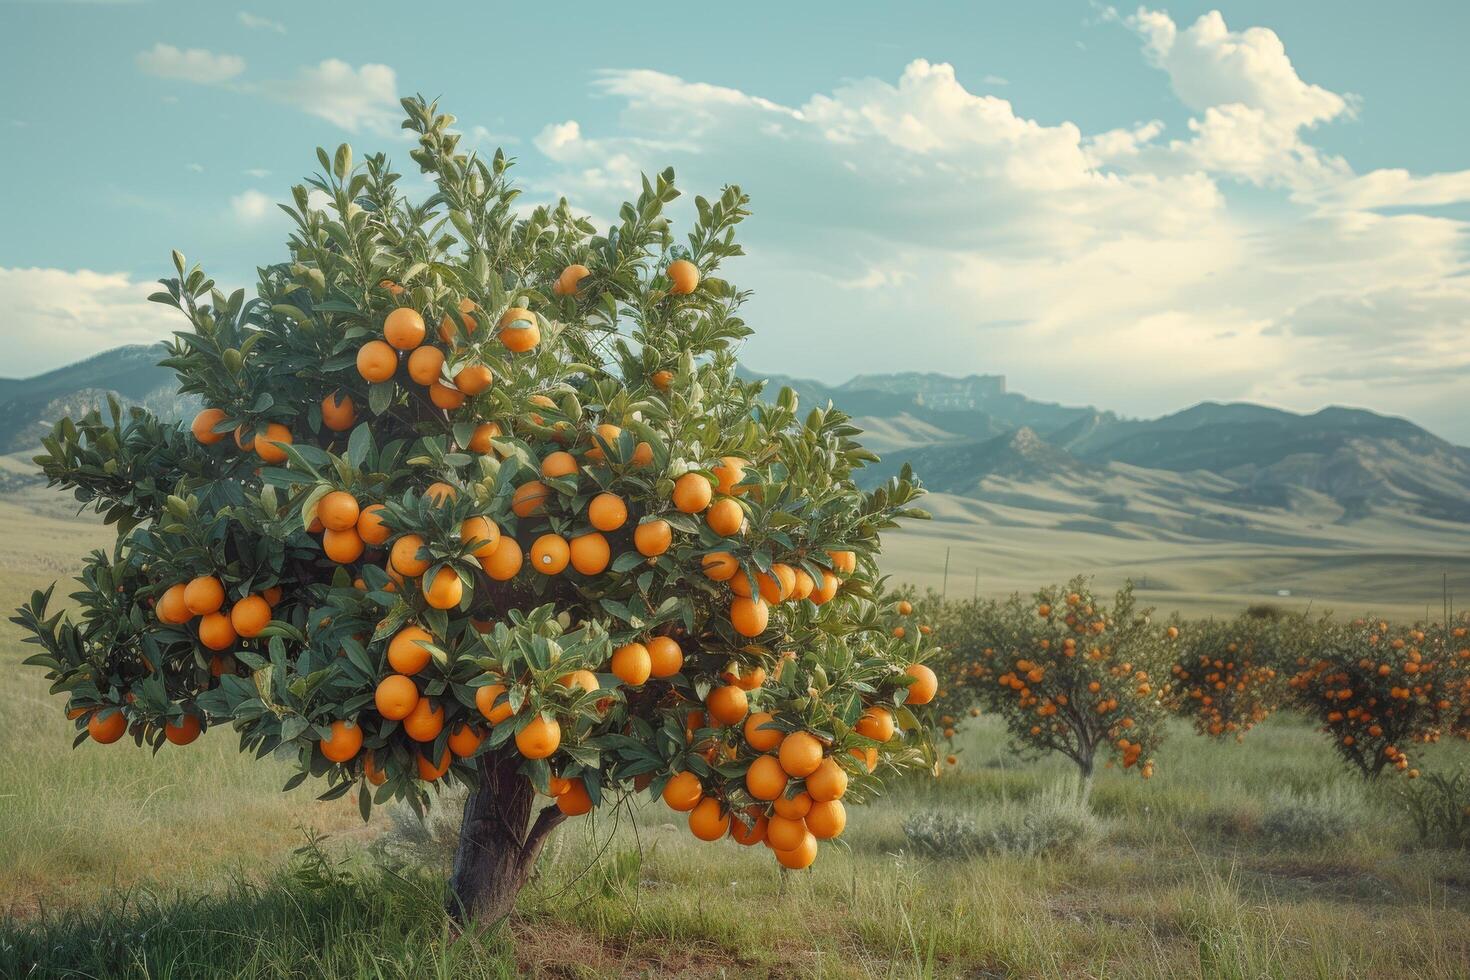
column 115, row 863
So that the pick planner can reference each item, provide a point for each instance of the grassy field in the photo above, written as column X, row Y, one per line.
column 1265, row 859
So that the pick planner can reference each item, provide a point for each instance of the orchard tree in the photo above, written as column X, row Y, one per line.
column 1225, row 678
column 477, row 498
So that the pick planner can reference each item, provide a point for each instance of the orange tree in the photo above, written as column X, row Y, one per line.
column 1070, row 673
column 1378, row 688
column 1225, row 677
column 477, row 498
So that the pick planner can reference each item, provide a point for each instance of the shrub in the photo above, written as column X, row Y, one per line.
column 1439, row 806
column 1224, row 678
column 1312, row 820
column 1053, row 823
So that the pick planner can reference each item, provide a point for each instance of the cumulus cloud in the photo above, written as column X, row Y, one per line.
column 56, row 316
column 194, row 65
column 251, row 207
column 256, row 23
column 352, row 98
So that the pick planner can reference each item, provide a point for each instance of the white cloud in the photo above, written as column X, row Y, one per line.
column 57, row 316
column 251, row 207
column 255, row 23
column 194, row 65
column 194, row 168
column 259, row 173
column 352, row 98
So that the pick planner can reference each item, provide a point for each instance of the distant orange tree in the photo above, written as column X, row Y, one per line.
column 1225, row 678
column 478, row 498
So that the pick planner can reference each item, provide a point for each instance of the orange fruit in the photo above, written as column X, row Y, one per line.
column 343, row 547
column 483, row 530
column 426, row 364
column 729, row 471
column 338, row 412
column 584, row 679
column 266, row 443
column 424, row 722
column 559, row 463
column 924, row 687
column 683, row 277
column 465, row 739
column 406, row 653
column 692, row 493
column 550, row 554
column 404, row 328
column 173, row 607
column 803, row 586
column 665, row 657
column 642, row 454
column 485, row 698
column 724, row 517
column 607, row 512
column 876, row 723
column 428, row 771
column 609, row 434
column 826, row 819
column 784, row 833
column 246, row 444
column 709, row 820
column 801, row 754
column 751, row 679
column 539, row 739
column 727, row 704
column 390, row 286
column 405, row 559
column 338, row 511
column 480, row 439
column 473, row 379
column 683, row 792
column 590, row 553
column 203, row 426
column 370, row 526
column 445, row 590
column 632, row 664
column 215, row 631
column 801, row 856
column 448, row 331
column 204, row 595
column 720, row 566
column 182, row 732
column 575, row 801
column 343, row 743
column 829, row 781
column 753, row 834
column 652, row 538
column 905, row 608
column 440, row 493
column 370, row 769
column 445, row 397
column 519, row 331
column 824, row 592
column 777, row 585
column 571, row 277
column 740, row 585
column 530, row 498
column 250, row 615
column 107, row 725
column 749, row 616
column 505, row 561
column 795, row 807
column 765, row 779
column 377, row 361
column 843, row 561
column 758, row 738
column 395, row 697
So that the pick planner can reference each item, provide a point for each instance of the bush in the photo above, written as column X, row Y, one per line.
column 1439, row 806
column 1054, row 823
column 1311, row 820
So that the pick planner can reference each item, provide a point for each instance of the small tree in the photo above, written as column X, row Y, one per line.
column 1224, row 677
column 1073, row 675
column 478, row 498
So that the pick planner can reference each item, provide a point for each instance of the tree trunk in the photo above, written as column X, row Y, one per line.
column 1084, row 775
column 498, row 843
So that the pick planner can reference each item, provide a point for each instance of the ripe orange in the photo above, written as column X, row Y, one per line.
column 446, row 590
column 395, row 697
column 505, row 561
column 824, row 592
column 765, row 779
column 753, row 834
column 709, row 820
column 724, row 517
column 405, row 556
column 559, row 463
column 338, row 412
column 272, row 595
column 662, row 379
column 729, row 471
column 804, row 585
column 829, row 781
column 843, row 561
column 424, row 722
column 428, row 771
column 550, row 554
column 665, row 657
column 720, row 566
column 473, row 379
column 483, row 530
column 683, row 792
column 480, row 439
column 445, row 397
column 203, row 426
column 485, row 698
column 343, row 547
column 530, row 498
column 540, row 738
column 590, row 553
column 740, row 585
column 204, row 595
column 778, row 585
column 784, row 833
column 575, row 801
column 607, row 512
column 683, row 277
column 632, row 664
column 519, row 331
column 801, row 856
column 642, row 454
column 406, row 653
column 465, row 739
column 584, row 679
column 448, row 332
column 250, row 615
column 370, row 769
column 692, row 493
column 338, row 511
column 749, row 616
column 751, row 679
column 924, row 687
column 905, row 608
column 876, row 723
column 266, row 443
column 182, row 732
column 653, row 537
column 404, row 328
column 571, row 277
column 826, row 819
column 609, row 434
column 370, row 526
column 801, row 754
column 426, row 364
column 107, row 725
column 758, row 738
column 727, row 704
column 376, row 361
column 343, row 743
column 795, row 807
column 172, row 606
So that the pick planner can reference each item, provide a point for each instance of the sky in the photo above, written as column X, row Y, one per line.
column 1137, row 208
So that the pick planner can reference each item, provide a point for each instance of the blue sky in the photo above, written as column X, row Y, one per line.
column 1138, row 207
